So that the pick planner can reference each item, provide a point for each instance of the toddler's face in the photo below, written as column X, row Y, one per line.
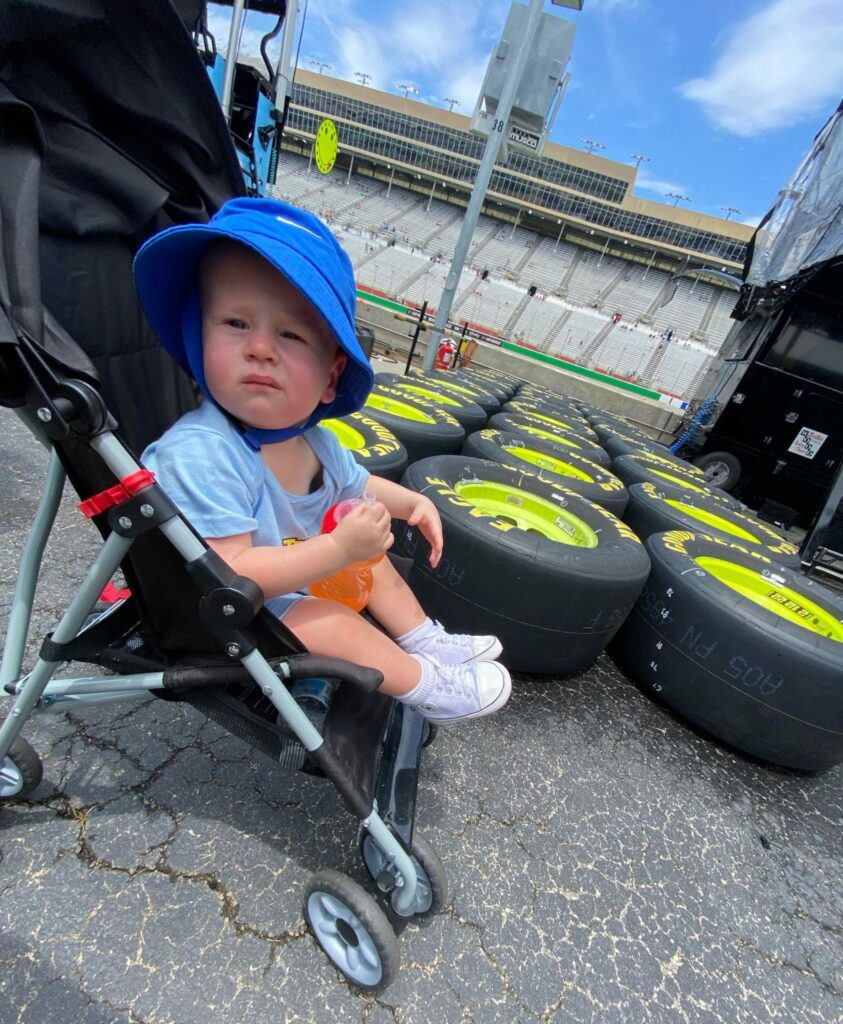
column 269, row 357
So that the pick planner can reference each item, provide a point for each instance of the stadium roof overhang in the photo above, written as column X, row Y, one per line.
column 532, row 216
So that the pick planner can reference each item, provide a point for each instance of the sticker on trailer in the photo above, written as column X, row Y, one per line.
column 807, row 443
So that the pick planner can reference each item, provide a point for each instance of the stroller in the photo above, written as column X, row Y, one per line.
column 94, row 162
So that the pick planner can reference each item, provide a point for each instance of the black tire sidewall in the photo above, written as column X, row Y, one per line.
column 496, row 579
column 522, row 424
column 421, row 440
column 637, row 469
column 383, row 453
column 763, row 685
column 648, row 512
column 468, row 414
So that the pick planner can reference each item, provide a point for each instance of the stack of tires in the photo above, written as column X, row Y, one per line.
column 726, row 632
column 742, row 646
column 534, row 549
column 568, row 530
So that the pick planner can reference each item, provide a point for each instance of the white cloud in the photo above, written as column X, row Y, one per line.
column 657, row 185
column 779, row 67
column 751, row 222
column 442, row 47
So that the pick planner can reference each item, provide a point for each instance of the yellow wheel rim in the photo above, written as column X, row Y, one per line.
column 347, row 436
column 560, row 424
column 433, row 396
column 548, row 462
column 714, row 521
column 680, row 481
column 468, row 392
column 396, row 408
column 528, row 512
column 546, row 436
column 775, row 597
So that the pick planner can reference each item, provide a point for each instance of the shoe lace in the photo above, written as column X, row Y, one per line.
column 450, row 679
column 449, row 639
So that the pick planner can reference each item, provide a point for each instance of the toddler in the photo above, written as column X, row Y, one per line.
column 258, row 307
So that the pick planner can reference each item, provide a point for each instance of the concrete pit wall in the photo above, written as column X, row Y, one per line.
column 394, row 336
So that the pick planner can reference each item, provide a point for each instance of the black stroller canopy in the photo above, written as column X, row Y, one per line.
column 132, row 140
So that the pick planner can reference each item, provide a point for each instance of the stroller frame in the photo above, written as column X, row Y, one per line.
column 94, row 163
column 231, row 602
column 38, row 691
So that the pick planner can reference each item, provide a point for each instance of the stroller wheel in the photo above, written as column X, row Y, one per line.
column 431, row 880
column 352, row 929
column 429, row 733
column 20, row 771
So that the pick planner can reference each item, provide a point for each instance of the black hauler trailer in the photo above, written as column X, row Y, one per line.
column 769, row 423
column 778, row 438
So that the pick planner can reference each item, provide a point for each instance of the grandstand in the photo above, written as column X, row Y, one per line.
column 565, row 260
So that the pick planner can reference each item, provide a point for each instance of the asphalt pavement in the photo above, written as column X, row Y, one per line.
column 605, row 862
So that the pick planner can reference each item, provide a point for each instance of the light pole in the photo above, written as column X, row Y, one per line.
column 517, row 63
column 453, row 102
column 407, row 89
column 320, row 64
column 729, row 210
column 592, row 145
column 678, row 197
column 364, row 78
column 639, row 159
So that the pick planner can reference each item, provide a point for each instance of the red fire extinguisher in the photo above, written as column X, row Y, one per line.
column 445, row 355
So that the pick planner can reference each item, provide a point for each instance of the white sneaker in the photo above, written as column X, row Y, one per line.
column 460, row 692
column 455, row 648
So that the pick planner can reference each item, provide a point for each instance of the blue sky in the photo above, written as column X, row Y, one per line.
column 723, row 96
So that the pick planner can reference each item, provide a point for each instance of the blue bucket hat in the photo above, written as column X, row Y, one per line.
column 293, row 241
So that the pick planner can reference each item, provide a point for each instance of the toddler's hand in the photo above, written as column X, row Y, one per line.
column 424, row 514
column 364, row 533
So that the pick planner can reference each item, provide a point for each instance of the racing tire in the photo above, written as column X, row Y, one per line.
column 540, row 391
column 474, row 392
column 554, row 462
column 621, row 444
column 468, row 414
column 529, row 426
column 482, row 374
column 617, row 445
column 549, row 573
column 422, row 427
column 555, row 415
column 641, row 468
column 745, row 649
column 535, row 392
column 373, row 445
column 494, row 387
column 589, row 410
column 560, row 405
column 655, row 509
column 721, row 469
column 606, row 429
